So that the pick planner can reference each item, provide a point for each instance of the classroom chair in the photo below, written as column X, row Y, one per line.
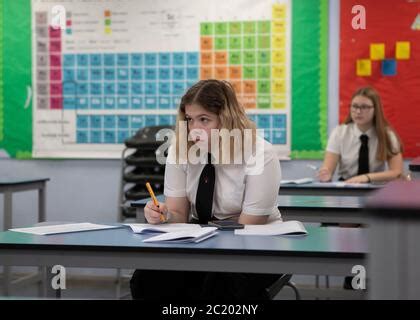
column 283, row 281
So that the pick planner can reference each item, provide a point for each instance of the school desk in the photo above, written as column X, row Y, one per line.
column 323, row 251
column 10, row 185
column 321, row 209
column 394, row 241
column 329, row 189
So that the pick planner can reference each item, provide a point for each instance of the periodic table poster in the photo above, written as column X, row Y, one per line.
column 117, row 66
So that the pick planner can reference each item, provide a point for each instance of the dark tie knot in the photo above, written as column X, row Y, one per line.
column 364, row 138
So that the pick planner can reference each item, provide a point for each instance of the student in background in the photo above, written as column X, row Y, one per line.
column 363, row 144
column 212, row 190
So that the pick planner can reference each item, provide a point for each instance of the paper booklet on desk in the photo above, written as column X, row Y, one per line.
column 297, row 181
column 275, row 228
column 162, row 228
column 185, row 236
column 63, row 228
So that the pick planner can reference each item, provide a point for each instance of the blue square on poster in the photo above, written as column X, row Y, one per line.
column 136, row 74
column 122, row 135
column 122, row 102
column 96, row 103
column 96, row 122
column 69, row 103
column 82, row 122
column 150, row 120
column 136, row 102
column 95, row 136
column 178, row 58
column 136, row 88
column 279, row 137
column 82, row 103
column 109, row 103
column 279, row 121
column 164, row 74
column 82, row 136
column 164, row 103
column 151, row 103
column 150, row 59
column 82, row 74
column 164, row 120
column 164, row 59
column 123, row 122
column 69, row 60
column 68, row 75
column 110, row 122
column 109, row 59
column 109, row 74
column 137, row 121
column 164, row 88
column 263, row 121
column 136, row 59
column 109, row 88
column 122, row 59
column 192, row 58
column 109, row 136
column 389, row 67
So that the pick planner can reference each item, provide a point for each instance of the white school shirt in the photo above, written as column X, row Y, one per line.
column 345, row 141
column 235, row 190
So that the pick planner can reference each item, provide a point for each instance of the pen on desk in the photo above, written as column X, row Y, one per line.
column 312, row 167
column 152, row 194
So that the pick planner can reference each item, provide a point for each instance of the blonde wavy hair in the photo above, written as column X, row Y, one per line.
column 217, row 97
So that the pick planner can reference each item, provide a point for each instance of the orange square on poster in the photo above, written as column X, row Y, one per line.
column 206, row 43
column 237, row 86
column 206, row 58
column 221, row 57
column 206, row 73
column 220, row 72
column 250, row 87
column 249, row 102
column 235, row 72
column 107, row 13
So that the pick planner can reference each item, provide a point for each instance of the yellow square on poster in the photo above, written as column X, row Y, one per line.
column 364, row 68
column 278, row 86
column 402, row 50
column 278, row 26
column 278, row 56
column 278, row 41
column 377, row 51
column 277, row 71
column 279, row 11
column 278, row 102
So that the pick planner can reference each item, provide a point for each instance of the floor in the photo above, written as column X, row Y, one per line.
column 104, row 287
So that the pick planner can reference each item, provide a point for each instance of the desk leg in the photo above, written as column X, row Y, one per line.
column 7, row 224
column 41, row 204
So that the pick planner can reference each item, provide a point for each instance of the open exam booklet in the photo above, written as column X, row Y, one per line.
column 275, row 228
column 174, row 232
column 297, row 181
column 63, row 228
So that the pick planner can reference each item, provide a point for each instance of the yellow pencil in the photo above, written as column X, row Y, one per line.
column 152, row 194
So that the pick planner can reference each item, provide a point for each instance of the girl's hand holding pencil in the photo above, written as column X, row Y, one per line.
column 154, row 211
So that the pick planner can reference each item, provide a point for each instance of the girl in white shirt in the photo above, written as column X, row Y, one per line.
column 366, row 120
column 241, row 191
